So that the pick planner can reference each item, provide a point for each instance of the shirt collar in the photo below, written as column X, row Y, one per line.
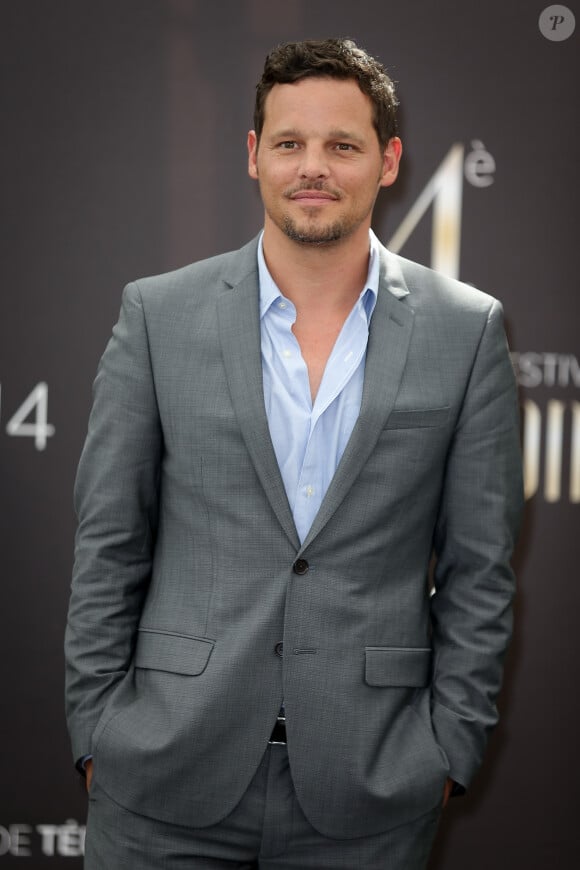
column 269, row 291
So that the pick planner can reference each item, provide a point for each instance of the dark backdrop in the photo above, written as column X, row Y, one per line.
column 123, row 154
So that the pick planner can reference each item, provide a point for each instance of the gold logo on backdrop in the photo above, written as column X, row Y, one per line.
column 444, row 191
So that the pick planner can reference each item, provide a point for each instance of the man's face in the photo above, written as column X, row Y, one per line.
column 318, row 162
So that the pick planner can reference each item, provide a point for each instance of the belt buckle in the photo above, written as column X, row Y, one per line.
column 278, row 736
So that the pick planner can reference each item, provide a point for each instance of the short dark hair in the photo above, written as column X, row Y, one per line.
column 338, row 59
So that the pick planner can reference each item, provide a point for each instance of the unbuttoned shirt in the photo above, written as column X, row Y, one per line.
column 309, row 438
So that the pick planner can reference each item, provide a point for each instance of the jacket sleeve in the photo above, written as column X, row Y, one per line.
column 116, row 496
column 473, row 582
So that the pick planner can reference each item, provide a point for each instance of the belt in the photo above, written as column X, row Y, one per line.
column 278, row 736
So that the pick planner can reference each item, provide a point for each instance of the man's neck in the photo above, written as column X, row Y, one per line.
column 318, row 278
column 323, row 282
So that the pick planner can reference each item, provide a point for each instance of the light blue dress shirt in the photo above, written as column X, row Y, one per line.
column 309, row 439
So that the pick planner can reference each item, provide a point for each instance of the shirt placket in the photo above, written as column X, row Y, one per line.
column 343, row 362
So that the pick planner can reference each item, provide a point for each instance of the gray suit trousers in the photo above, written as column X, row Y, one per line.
column 267, row 830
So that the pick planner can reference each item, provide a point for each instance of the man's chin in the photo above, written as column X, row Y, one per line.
column 320, row 236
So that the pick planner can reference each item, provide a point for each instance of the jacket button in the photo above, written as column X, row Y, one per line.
column 300, row 566
column 279, row 649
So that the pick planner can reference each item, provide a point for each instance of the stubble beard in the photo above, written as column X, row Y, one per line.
column 309, row 232
column 325, row 235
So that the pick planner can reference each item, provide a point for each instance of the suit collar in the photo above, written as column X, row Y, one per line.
column 391, row 277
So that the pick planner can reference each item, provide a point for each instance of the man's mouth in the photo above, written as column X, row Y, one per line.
column 312, row 197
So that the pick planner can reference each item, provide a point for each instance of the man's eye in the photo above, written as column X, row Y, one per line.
column 344, row 146
column 289, row 145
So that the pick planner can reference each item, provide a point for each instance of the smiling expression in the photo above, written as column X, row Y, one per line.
column 319, row 162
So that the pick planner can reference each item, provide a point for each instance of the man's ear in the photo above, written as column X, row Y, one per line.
column 252, row 154
column 391, row 159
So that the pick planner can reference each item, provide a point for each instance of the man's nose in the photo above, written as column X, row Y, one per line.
column 314, row 163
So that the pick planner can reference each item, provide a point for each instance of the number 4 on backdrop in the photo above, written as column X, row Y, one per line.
column 30, row 420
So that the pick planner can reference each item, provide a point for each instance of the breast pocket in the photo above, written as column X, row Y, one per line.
column 420, row 418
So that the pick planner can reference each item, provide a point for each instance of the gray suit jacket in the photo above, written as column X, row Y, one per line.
column 189, row 572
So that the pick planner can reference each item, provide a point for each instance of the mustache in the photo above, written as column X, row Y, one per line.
column 313, row 185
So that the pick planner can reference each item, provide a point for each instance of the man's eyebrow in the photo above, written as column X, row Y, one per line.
column 287, row 133
column 293, row 133
column 345, row 134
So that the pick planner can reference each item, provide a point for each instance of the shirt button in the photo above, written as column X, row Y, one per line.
column 279, row 649
column 300, row 566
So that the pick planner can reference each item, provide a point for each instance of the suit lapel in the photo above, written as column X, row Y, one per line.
column 389, row 337
column 239, row 329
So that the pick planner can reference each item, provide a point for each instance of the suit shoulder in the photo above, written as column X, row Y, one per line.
column 201, row 277
column 432, row 289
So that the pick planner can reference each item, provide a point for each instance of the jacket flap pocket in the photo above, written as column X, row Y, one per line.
column 421, row 418
column 392, row 666
column 176, row 653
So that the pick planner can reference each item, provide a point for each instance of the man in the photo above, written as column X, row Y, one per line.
column 282, row 437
